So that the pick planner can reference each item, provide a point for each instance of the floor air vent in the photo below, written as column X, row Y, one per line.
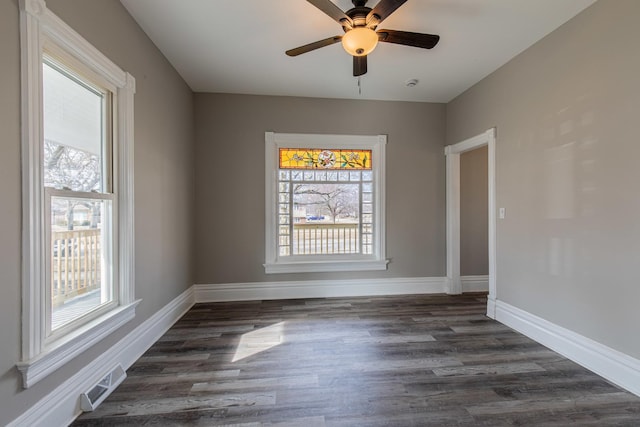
column 94, row 397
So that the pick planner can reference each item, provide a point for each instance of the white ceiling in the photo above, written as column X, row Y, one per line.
column 237, row 46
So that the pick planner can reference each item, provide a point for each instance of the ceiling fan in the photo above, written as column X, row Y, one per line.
column 361, row 35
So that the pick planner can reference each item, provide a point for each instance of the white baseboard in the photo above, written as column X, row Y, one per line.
column 475, row 283
column 611, row 364
column 318, row 289
column 61, row 406
column 491, row 307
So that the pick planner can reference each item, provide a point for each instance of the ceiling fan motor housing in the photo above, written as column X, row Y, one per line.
column 358, row 16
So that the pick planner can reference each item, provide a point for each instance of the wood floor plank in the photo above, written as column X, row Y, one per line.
column 255, row 384
column 553, row 404
column 189, row 403
column 491, row 369
column 433, row 360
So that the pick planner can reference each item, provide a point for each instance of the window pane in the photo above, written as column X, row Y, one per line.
column 329, row 219
column 284, row 175
column 312, row 158
column 74, row 132
column 284, row 241
column 284, row 219
column 284, row 187
column 283, row 197
column 80, row 258
column 284, row 208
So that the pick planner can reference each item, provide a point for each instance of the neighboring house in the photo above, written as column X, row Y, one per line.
column 566, row 112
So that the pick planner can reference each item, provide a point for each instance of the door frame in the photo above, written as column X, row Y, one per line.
column 452, row 153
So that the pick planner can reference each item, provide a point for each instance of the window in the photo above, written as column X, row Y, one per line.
column 77, row 173
column 77, row 149
column 324, row 203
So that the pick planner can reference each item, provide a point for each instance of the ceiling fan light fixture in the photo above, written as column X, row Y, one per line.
column 360, row 41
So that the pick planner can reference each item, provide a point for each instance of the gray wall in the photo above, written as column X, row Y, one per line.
column 474, row 213
column 164, row 138
column 567, row 111
column 230, row 179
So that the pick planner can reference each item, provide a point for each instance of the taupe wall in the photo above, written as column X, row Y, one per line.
column 567, row 111
column 474, row 214
column 164, row 138
column 230, row 179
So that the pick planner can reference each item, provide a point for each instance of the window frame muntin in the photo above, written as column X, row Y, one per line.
column 39, row 26
column 324, row 263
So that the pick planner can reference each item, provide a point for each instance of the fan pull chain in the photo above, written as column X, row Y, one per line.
column 359, row 86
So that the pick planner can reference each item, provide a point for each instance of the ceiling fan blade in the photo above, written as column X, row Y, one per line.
column 313, row 46
column 383, row 9
column 425, row 41
column 359, row 65
column 333, row 11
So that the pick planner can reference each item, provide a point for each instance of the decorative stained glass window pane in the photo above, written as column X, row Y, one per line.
column 317, row 158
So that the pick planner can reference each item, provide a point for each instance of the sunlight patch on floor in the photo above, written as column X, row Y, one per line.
column 255, row 342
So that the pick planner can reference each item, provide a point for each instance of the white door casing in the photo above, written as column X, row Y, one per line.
column 453, row 152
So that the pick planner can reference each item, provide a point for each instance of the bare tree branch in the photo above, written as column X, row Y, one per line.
column 335, row 199
column 72, row 169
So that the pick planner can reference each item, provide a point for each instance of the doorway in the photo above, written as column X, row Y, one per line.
column 453, row 153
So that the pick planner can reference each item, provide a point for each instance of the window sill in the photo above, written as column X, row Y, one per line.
column 325, row 266
column 71, row 345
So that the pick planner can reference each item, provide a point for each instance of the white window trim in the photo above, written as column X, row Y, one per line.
column 323, row 263
column 38, row 25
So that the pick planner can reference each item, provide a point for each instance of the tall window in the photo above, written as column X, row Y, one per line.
column 327, row 210
column 77, row 153
column 77, row 147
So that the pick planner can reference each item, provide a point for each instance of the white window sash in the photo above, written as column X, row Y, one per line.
column 110, row 245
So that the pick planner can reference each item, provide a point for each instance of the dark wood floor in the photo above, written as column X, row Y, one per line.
column 382, row 361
